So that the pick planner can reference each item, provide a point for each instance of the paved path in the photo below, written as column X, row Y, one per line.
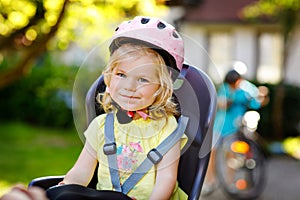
column 283, row 181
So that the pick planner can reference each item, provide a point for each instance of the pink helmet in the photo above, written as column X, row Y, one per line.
column 155, row 33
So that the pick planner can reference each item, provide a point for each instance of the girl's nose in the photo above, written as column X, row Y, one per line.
column 130, row 84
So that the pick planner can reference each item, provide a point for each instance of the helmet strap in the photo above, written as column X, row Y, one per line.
column 125, row 116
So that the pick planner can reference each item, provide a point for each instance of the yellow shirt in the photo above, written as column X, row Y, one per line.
column 134, row 140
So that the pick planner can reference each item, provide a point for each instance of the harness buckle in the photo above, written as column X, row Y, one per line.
column 110, row 148
column 154, row 156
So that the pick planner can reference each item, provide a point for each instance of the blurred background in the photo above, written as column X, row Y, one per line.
column 45, row 43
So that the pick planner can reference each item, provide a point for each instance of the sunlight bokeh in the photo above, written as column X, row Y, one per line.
column 4, row 187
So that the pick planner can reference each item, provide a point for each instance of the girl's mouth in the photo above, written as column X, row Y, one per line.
column 129, row 97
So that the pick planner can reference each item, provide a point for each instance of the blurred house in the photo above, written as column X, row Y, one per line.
column 216, row 36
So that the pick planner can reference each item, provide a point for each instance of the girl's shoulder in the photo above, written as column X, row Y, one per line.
column 169, row 123
column 98, row 121
column 171, row 119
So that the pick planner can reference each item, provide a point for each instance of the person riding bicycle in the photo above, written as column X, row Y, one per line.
column 235, row 96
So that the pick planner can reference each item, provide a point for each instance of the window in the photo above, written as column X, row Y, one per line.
column 270, row 57
column 220, row 51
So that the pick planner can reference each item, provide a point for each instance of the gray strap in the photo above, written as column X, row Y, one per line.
column 110, row 150
column 155, row 155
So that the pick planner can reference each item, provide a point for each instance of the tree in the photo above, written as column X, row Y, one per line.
column 286, row 13
column 28, row 28
column 24, row 34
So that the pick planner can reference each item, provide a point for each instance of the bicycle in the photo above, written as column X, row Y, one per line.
column 241, row 160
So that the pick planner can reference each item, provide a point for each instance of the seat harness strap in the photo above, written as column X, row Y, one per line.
column 110, row 149
column 154, row 156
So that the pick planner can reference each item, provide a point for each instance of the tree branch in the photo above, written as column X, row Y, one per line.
column 24, row 65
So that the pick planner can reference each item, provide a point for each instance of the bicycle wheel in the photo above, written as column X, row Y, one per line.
column 240, row 167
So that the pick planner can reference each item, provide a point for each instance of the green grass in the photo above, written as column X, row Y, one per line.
column 28, row 152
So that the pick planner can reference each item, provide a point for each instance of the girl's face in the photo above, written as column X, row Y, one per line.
column 134, row 83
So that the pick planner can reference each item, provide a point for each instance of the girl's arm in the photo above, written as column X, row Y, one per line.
column 83, row 170
column 166, row 176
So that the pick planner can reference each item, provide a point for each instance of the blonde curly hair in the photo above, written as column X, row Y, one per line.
column 163, row 104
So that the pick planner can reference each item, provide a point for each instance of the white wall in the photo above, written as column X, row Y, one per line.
column 293, row 63
column 245, row 49
column 195, row 44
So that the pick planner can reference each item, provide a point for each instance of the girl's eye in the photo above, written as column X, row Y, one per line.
column 143, row 80
column 121, row 75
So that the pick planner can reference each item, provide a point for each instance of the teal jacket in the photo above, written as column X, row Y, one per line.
column 241, row 99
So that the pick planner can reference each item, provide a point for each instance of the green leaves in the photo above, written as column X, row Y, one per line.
column 270, row 8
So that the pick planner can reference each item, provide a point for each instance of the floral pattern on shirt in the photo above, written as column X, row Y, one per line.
column 127, row 158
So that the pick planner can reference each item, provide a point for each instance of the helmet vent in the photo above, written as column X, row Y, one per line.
column 117, row 29
column 175, row 35
column 145, row 20
column 161, row 25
